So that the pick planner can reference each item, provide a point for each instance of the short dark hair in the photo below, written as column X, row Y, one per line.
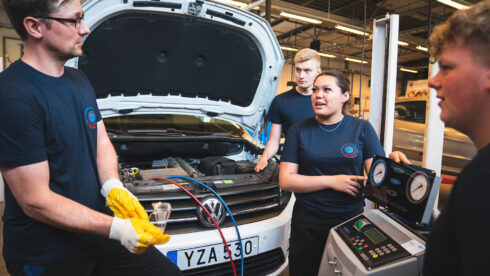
column 18, row 10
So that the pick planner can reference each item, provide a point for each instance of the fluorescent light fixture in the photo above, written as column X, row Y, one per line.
column 300, row 18
column 422, row 48
column 454, row 4
column 289, row 49
column 326, row 55
column 233, row 3
column 355, row 60
column 350, row 30
column 402, row 43
column 409, row 70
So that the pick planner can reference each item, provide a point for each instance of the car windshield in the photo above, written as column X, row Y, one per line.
column 412, row 111
column 169, row 124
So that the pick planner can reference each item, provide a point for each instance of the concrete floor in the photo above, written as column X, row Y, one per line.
column 443, row 196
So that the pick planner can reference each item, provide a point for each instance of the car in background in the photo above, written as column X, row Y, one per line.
column 178, row 83
column 408, row 137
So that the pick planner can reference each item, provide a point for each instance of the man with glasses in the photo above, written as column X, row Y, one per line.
column 57, row 160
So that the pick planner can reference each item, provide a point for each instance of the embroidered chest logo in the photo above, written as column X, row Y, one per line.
column 90, row 117
column 349, row 150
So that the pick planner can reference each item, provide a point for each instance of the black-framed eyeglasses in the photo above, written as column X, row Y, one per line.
column 76, row 22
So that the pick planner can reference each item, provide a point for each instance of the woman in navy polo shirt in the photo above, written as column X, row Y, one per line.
column 322, row 163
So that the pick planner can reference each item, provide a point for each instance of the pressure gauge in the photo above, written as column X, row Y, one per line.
column 417, row 187
column 378, row 172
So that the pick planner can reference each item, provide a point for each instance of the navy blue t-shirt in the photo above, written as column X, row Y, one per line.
column 331, row 150
column 289, row 108
column 53, row 119
column 455, row 246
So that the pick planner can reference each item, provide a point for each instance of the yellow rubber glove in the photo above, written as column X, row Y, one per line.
column 121, row 201
column 136, row 234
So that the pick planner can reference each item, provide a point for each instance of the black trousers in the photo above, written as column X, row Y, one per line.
column 111, row 258
column 309, row 234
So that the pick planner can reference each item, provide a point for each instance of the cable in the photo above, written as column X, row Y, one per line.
column 227, row 209
column 207, row 212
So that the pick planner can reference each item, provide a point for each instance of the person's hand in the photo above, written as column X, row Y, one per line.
column 121, row 201
column 136, row 234
column 398, row 156
column 261, row 164
column 347, row 183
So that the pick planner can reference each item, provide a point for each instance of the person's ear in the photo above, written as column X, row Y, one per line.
column 346, row 97
column 34, row 27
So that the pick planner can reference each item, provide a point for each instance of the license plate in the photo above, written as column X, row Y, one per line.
column 213, row 254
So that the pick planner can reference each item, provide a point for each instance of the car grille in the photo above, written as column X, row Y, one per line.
column 261, row 264
column 248, row 203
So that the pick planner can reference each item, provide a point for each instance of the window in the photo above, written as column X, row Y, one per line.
column 413, row 111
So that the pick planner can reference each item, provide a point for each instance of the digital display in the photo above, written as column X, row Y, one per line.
column 374, row 235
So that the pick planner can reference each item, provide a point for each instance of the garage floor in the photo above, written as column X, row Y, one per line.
column 443, row 196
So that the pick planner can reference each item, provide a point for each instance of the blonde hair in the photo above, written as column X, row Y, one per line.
column 471, row 25
column 307, row 54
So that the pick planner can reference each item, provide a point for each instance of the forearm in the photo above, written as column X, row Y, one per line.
column 106, row 156
column 270, row 149
column 61, row 212
column 303, row 183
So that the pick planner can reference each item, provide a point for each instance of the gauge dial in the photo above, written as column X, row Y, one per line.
column 378, row 172
column 417, row 187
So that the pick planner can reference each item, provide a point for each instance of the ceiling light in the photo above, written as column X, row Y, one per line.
column 402, row 43
column 355, row 60
column 422, row 48
column 326, row 55
column 234, row 3
column 300, row 18
column 289, row 49
column 409, row 70
column 454, row 4
column 350, row 30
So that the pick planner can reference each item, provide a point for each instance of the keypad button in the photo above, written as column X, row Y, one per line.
column 375, row 256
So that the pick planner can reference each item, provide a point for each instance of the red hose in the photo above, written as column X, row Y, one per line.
column 207, row 212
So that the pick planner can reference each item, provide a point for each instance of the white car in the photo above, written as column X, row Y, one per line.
column 178, row 83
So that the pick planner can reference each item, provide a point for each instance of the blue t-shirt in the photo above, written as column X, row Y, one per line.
column 331, row 150
column 53, row 119
column 289, row 108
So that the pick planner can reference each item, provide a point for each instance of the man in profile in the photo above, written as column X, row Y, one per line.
column 457, row 245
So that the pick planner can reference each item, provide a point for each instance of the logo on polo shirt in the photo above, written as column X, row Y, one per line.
column 90, row 117
column 349, row 150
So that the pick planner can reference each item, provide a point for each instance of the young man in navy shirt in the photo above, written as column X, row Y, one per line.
column 294, row 105
column 57, row 160
column 461, row 45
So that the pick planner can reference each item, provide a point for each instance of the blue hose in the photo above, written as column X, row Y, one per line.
column 227, row 209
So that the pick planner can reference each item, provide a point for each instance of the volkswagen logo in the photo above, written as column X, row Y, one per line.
column 215, row 208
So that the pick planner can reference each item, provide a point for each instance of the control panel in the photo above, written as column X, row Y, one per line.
column 369, row 243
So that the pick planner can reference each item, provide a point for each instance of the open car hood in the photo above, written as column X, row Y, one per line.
column 180, row 57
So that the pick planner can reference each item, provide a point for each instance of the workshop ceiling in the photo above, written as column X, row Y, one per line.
column 416, row 17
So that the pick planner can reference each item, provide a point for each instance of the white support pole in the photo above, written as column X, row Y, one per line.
column 391, row 83
column 434, row 131
column 380, row 39
column 377, row 75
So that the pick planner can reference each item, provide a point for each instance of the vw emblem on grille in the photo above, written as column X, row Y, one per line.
column 215, row 208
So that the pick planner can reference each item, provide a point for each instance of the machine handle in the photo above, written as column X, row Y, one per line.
column 337, row 272
column 332, row 262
